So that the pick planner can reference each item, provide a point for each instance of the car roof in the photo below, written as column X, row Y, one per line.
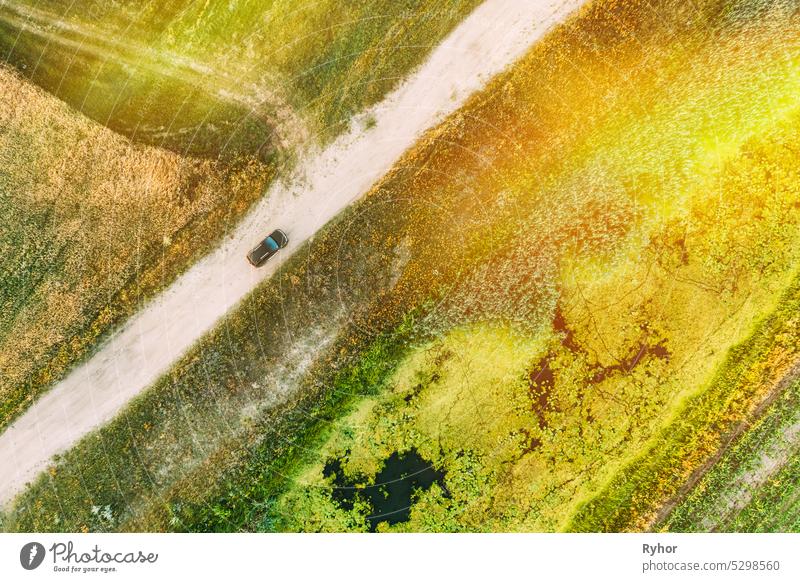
column 279, row 236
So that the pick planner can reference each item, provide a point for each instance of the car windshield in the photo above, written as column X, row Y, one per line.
column 273, row 246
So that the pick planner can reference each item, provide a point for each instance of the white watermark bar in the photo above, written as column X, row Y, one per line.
column 355, row 557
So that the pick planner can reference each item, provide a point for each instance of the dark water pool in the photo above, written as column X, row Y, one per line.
column 390, row 497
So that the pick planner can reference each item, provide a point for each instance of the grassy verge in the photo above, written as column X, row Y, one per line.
column 751, row 478
column 243, row 499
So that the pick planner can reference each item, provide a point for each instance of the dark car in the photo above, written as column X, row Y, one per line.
column 268, row 247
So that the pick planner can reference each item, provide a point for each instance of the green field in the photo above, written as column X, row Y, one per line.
column 574, row 313
column 698, row 428
column 221, row 78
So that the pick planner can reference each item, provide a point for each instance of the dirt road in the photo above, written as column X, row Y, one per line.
column 496, row 34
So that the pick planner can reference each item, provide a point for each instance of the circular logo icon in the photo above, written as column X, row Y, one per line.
column 31, row 555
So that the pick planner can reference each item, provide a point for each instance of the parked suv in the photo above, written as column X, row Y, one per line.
column 268, row 247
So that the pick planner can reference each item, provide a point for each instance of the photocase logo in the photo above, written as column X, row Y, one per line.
column 31, row 555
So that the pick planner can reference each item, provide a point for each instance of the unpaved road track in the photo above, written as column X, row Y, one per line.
column 495, row 35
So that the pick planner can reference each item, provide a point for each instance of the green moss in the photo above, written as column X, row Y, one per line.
column 461, row 402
